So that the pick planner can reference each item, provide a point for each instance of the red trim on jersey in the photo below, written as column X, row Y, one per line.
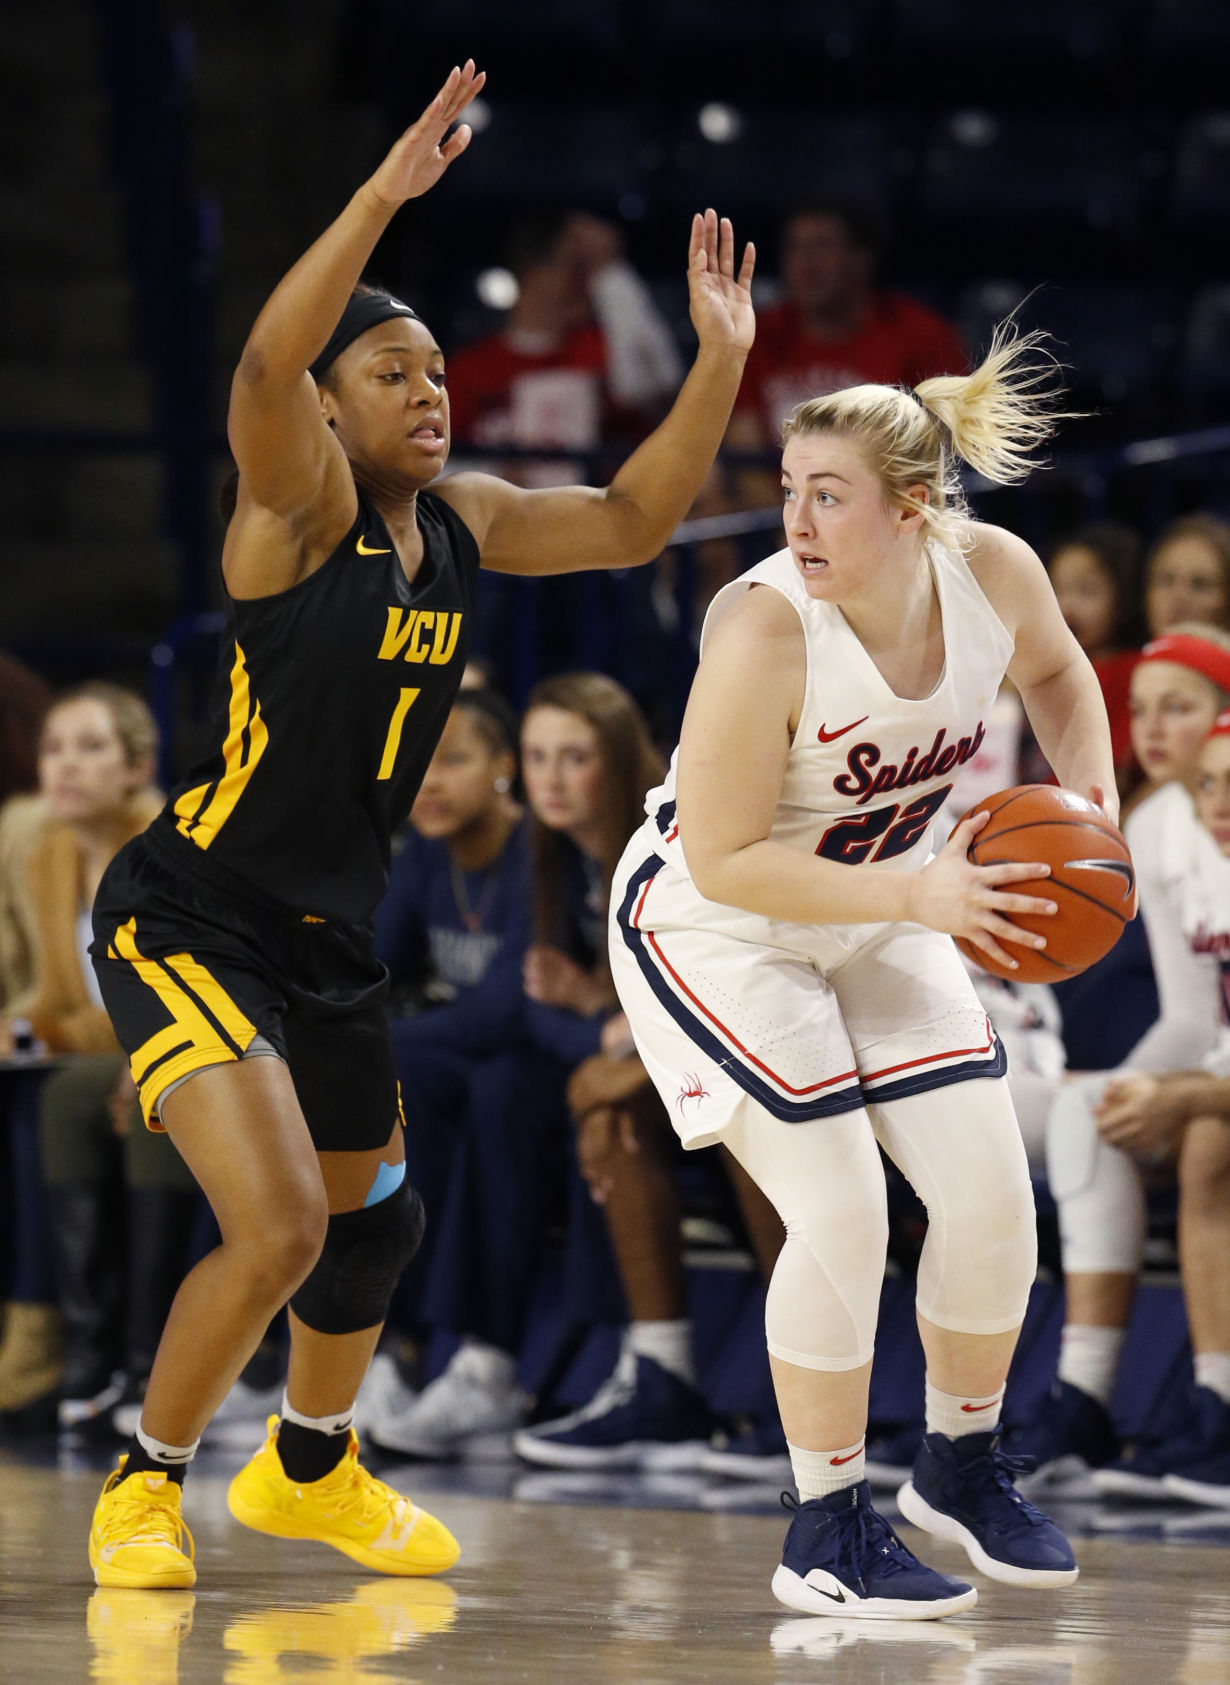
column 671, row 834
column 814, row 1088
column 933, row 1058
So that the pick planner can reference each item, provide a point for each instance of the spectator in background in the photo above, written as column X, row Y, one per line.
column 485, row 1120
column 1095, row 572
column 1187, row 574
column 584, row 356
column 1180, row 683
column 1182, row 1120
column 96, row 763
column 29, row 1348
column 588, row 763
column 834, row 327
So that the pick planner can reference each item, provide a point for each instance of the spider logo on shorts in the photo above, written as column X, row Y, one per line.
column 691, row 1090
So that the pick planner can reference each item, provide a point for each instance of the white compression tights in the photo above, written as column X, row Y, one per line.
column 960, row 1148
column 1097, row 1188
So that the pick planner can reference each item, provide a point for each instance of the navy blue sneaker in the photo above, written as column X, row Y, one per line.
column 842, row 1558
column 962, row 1490
column 642, row 1416
column 1067, row 1437
column 758, row 1453
column 1205, row 1478
column 1146, row 1471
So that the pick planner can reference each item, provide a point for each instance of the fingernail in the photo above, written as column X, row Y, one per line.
column 1039, row 941
column 1051, row 907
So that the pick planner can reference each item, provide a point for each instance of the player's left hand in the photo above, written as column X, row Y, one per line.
column 721, row 301
column 1143, row 1115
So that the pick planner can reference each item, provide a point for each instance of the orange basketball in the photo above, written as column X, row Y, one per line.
column 1092, row 879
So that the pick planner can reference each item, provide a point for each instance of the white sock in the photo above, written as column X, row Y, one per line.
column 667, row 1343
column 493, row 1369
column 954, row 1416
column 319, row 1424
column 1213, row 1371
column 819, row 1473
column 1089, row 1357
column 174, row 1456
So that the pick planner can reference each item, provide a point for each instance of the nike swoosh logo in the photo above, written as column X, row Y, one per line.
column 833, row 1596
column 832, row 736
column 836, row 1462
column 973, row 1409
column 364, row 551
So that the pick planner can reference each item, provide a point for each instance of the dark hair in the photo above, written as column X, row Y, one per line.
column 860, row 225
column 1208, row 528
column 494, row 720
column 24, row 700
column 631, row 766
column 1119, row 553
column 532, row 240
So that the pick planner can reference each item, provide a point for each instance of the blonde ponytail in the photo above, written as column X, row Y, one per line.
column 994, row 419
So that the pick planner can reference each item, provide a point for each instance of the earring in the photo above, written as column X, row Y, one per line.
column 503, row 786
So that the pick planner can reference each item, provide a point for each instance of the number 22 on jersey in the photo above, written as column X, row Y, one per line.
column 852, row 840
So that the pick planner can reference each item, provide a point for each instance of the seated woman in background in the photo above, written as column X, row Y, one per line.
column 121, row 1199
column 1181, row 1121
column 587, row 762
column 1187, row 574
column 484, row 1111
column 1178, row 687
column 1096, row 575
column 30, row 1345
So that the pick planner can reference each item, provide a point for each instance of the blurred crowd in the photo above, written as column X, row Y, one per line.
column 532, row 1129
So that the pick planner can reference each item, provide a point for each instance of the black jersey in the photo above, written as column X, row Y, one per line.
column 331, row 699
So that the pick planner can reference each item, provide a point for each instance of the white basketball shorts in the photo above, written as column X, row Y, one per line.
column 729, row 1009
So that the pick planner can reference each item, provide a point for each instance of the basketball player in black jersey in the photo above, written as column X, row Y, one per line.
column 238, row 925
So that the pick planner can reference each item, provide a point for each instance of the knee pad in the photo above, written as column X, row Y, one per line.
column 364, row 1254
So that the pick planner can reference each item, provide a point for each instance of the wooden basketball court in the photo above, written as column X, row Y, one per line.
column 556, row 1592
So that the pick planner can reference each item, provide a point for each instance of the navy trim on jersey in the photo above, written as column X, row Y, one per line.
column 788, row 1111
column 922, row 1082
column 664, row 818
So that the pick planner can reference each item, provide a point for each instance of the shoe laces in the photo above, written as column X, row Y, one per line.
column 863, row 1533
column 141, row 1517
column 993, row 1475
column 363, row 1498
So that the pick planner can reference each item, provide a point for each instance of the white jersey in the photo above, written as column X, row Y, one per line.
column 1184, row 888
column 868, row 771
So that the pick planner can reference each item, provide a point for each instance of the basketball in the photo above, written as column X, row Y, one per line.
column 1092, row 879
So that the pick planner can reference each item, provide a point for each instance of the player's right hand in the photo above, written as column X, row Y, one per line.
column 953, row 895
column 422, row 155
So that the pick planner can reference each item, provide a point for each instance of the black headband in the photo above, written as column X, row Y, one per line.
column 365, row 310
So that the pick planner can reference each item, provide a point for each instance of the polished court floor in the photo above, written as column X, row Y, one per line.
column 566, row 1580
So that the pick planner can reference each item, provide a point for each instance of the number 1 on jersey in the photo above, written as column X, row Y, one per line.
column 393, row 741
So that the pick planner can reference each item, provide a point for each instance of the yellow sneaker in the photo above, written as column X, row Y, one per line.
column 349, row 1509
column 137, row 1534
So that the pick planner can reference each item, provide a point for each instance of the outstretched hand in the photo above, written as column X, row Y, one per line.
column 421, row 156
column 721, row 301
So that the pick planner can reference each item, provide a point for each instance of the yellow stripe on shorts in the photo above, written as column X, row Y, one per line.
column 190, row 1041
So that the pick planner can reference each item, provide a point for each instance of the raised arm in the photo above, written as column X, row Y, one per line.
column 1058, row 687
column 296, row 494
column 741, row 715
column 568, row 528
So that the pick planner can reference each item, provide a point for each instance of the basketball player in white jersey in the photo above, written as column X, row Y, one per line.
column 780, row 941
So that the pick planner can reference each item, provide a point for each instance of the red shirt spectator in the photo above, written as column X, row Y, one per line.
column 892, row 342
column 834, row 328
column 585, row 354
